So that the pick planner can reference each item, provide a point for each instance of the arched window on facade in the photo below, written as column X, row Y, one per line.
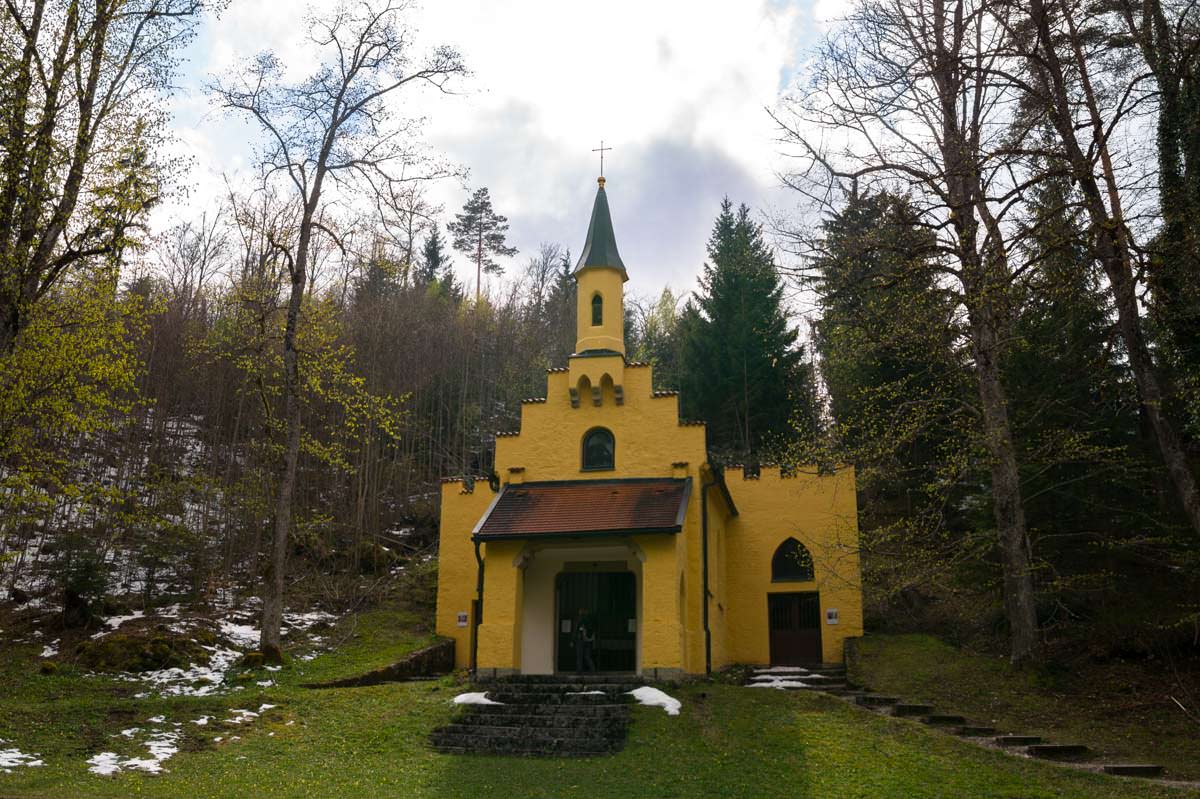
column 599, row 449
column 792, row 563
column 597, row 310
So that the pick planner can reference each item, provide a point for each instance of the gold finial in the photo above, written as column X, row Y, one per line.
column 600, row 180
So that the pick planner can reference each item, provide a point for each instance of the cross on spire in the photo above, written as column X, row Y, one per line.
column 602, row 150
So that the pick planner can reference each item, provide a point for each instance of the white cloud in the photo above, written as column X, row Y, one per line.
column 676, row 88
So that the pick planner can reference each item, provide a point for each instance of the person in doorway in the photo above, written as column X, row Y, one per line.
column 585, row 642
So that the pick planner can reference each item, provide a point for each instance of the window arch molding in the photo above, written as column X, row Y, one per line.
column 597, row 309
column 791, row 563
column 598, row 450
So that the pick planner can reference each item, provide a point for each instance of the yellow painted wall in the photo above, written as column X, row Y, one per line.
column 610, row 334
column 456, row 562
column 819, row 511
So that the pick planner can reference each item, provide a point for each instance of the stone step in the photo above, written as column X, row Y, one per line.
column 581, row 699
column 480, row 731
column 565, row 677
column 1133, row 769
column 1018, row 740
column 878, row 700
column 559, row 687
column 571, row 709
column 523, row 745
column 1058, row 751
column 543, row 722
column 974, row 731
column 911, row 709
column 943, row 720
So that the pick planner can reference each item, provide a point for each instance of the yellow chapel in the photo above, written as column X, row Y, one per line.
column 608, row 515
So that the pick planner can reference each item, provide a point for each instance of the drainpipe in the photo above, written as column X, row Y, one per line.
column 704, row 572
column 477, row 611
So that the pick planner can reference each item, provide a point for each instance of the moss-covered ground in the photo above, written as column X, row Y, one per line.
column 372, row 742
column 1122, row 711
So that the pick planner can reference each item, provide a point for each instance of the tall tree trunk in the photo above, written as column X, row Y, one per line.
column 270, row 643
column 1109, row 241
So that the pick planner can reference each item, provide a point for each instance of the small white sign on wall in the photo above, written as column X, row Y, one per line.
column 632, row 626
column 462, row 619
column 565, row 625
column 831, row 616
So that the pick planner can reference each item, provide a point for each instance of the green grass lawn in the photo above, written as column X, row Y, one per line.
column 1119, row 710
column 365, row 742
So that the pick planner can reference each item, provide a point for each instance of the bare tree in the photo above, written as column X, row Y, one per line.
column 1052, row 40
column 337, row 126
column 78, row 125
column 905, row 98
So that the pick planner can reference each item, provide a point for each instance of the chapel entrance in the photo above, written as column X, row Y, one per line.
column 610, row 599
column 795, row 625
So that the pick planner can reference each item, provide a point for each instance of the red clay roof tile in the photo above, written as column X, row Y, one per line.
column 586, row 507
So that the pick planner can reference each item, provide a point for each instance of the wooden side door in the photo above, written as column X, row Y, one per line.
column 794, row 621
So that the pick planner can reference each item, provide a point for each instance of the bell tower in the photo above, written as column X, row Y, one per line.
column 597, row 369
column 600, row 277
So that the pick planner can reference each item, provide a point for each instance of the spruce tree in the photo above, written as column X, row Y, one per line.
column 741, row 369
column 479, row 233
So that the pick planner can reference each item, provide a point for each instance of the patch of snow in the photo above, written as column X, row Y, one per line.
column 475, row 698
column 160, row 745
column 129, row 733
column 240, row 634
column 241, row 716
column 12, row 758
column 113, row 623
column 202, row 720
column 782, row 670
column 652, row 697
column 585, row 693
column 264, row 683
column 262, row 708
column 156, row 719
column 780, row 683
column 51, row 649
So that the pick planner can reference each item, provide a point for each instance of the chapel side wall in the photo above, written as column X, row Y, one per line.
column 718, row 580
column 820, row 511
column 460, row 511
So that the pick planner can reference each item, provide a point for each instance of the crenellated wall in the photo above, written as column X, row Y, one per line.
column 820, row 511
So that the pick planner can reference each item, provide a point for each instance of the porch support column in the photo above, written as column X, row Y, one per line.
column 660, row 633
column 503, row 598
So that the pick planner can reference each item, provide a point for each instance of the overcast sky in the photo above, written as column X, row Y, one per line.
column 677, row 89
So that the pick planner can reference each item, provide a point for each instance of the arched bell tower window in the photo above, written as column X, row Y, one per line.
column 597, row 310
column 599, row 449
column 792, row 563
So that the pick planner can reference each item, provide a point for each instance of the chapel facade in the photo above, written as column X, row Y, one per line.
column 607, row 508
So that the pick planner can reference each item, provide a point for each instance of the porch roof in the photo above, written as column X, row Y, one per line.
column 574, row 508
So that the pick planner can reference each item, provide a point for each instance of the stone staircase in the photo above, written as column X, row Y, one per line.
column 543, row 715
column 832, row 679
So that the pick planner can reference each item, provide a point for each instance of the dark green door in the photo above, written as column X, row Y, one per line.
column 610, row 600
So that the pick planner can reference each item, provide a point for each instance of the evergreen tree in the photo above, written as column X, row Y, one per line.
column 479, row 233
column 434, row 260
column 741, row 369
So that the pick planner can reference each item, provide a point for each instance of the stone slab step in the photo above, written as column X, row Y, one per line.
column 517, row 721
column 1058, row 751
column 975, row 731
column 943, row 720
column 911, row 709
column 1133, row 769
column 565, row 677
column 569, row 709
column 1018, row 740
column 479, row 731
column 524, row 745
column 877, row 700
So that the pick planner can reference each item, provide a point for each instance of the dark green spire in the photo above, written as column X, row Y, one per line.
column 600, row 249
